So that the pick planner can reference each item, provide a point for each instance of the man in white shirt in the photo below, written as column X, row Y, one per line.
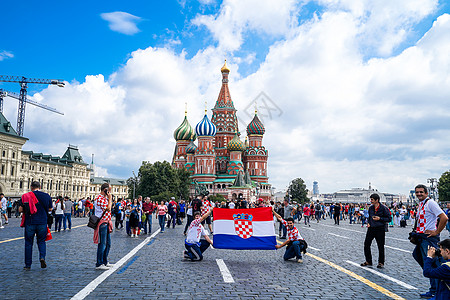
column 427, row 232
column 193, row 244
column 3, row 208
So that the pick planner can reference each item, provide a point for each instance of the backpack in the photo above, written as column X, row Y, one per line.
column 318, row 207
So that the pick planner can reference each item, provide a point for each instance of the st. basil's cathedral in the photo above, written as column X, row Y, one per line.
column 221, row 161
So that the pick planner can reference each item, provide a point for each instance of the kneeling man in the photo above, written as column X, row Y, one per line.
column 193, row 244
column 295, row 241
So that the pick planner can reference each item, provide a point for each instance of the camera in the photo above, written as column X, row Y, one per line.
column 437, row 252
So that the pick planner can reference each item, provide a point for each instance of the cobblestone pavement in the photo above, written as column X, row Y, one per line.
column 156, row 270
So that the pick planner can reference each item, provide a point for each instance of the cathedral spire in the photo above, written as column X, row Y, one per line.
column 224, row 99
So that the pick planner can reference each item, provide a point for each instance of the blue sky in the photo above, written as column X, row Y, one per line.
column 287, row 49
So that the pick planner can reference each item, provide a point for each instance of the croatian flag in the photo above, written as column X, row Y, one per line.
column 244, row 229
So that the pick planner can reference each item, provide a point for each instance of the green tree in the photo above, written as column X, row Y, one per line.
column 297, row 191
column 444, row 187
column 159, row 177
column 217, row 198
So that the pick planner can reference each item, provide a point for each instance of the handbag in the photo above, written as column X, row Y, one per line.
column 414, row 237
column 94, row 220
column 49, row 235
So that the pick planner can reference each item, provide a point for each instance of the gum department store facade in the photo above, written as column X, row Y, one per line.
column 221, row 162
column 68, row 175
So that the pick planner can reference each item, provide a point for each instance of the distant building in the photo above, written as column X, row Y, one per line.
column 67, row 175
column 315, row 188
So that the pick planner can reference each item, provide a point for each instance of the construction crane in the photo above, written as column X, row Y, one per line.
column 4, row 93
column 23, row 81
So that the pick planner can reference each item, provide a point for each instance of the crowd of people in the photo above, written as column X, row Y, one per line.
column 39, row 210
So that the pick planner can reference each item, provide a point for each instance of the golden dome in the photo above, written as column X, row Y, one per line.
column 225, row 67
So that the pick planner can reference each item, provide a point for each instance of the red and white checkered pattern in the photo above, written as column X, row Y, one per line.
column 102, row 201
column 421, row 221
column 292, row 234
column 206, row 206
column 243, row 228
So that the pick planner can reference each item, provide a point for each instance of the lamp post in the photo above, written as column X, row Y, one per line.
column 433, row 185
column 134, row 186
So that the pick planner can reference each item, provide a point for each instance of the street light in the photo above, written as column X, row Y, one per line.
column 134, row 186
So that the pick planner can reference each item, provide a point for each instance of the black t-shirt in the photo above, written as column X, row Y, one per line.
column 196, row 205
column 337, row 209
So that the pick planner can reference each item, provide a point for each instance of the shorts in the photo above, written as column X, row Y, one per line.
column 208, row 221
column 182, row 215
column 3, row 211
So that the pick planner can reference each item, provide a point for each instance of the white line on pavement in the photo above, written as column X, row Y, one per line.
column 227, row 278
column 314, row 248
column 388, row 237
column 341, row 236
column 405, row 285
column 397, row 249
column 94, row 283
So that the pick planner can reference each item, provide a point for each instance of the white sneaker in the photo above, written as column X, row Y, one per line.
column 132, row 235
column 300, row 260
column 102, row 267
column 2, row 227
column 109, row 265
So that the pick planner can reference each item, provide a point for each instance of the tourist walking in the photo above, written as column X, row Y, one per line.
column 3, row 205
column 162, row 211
column 102, row 237
column 148, row 209
column 172, row 209
column 379, row 216
column 68, row 209
column 336, row 213
column 34, row 207
column 59, row 213
column 307, row 214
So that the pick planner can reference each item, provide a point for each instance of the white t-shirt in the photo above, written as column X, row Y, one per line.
column 231, row 205
column 58, row 210
column 189, row 210
column 80, row 204
column 195, row 231
column 432, row 211
column 3, row 203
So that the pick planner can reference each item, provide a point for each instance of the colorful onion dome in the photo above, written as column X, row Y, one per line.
column 255, row 126
column 191, row 148
column 205, row 127
column 236, row 144
column 184, row 132
column 225, row 68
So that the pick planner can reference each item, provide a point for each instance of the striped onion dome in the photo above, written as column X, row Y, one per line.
column 205, row 127
column 184, row 132
column 236, row 144
column 255, row 126
column 191, row 148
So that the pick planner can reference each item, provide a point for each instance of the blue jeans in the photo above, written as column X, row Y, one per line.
column 284, row 230
column 148, row 220
column 173, row 217
column 104, row 245
column 58, row 222
column 68, row 217
column 420, row 251
column 41, row 234
column 162, row 221
column 294, row 250
column 195, row 252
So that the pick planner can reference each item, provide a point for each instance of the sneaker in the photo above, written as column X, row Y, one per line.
column 6, row 223
column 1, row 227
column 109, row 265
column 27, row 268
column 300, row 260
column 43, row 264
column 427, row 295
column 102, row 267
column 132, row 235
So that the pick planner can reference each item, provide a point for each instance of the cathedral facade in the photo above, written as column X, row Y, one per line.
column 221, row 161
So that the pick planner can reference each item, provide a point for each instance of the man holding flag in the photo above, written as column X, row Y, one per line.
column 295, row 241
column 193, row 244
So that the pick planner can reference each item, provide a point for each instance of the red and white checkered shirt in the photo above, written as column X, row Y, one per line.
column 102, row 203
column 206, row 206
column 421, row 221
column 293, row 234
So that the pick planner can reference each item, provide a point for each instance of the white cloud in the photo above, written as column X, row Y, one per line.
column 122, row 22
column 5, row 55
column 346, row 121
